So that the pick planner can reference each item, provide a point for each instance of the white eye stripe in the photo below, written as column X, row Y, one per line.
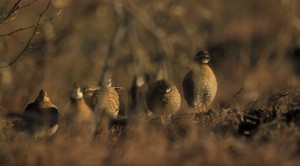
column 168, row 90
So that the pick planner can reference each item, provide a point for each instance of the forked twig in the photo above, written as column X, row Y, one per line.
column 13, row 9
column 36, row 26
column 29, row 27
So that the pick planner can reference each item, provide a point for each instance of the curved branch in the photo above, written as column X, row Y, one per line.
column 36, row 26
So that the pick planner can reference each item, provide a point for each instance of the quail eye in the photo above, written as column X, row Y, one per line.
column 168, row 90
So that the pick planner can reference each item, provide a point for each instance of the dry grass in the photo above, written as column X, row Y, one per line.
column 252, row 45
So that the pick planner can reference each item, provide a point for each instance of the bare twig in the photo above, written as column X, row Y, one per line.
column 238, row 92
column 13, row 9
column 27, row 5
column 31, row 26
column 18, row 30
column 31, row 37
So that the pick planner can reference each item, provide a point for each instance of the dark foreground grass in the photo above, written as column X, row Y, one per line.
column 268, row 136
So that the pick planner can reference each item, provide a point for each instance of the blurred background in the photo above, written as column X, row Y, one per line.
column 254, row 45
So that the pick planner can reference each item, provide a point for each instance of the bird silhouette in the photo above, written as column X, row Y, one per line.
column 41, row 116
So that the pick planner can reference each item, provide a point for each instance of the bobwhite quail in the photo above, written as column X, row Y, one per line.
column 107, row 107
column 200, row 84
column 107, row 100
column 42, row 116
column 81, row 117
column 163, row 98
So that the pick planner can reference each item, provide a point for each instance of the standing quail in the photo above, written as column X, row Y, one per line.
column 82, row 118
column 163, row 98
column 42, row 116
column 107, row 100
column 107, row 106
column 200, row 84
column 81, row 110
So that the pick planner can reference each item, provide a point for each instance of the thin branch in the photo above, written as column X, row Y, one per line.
column 31, row 26
column 31, row 37
column 18, row 30
column 27, row 5
column 238, row 92
column 13, row 9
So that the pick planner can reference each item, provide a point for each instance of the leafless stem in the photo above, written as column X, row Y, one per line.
column 18, row 30
column 13, row 9
column 36, row 26
column 27, row 5
column 238, row 92
column 29, row 27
